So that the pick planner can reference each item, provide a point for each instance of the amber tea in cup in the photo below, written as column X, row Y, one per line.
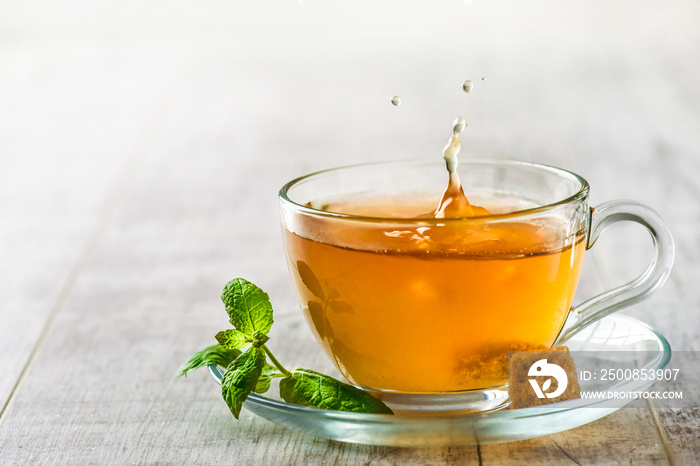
column 416, row 308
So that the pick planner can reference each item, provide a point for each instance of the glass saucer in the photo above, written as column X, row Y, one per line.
column 609, row 338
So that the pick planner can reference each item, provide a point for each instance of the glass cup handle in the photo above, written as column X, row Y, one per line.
column 638, row 289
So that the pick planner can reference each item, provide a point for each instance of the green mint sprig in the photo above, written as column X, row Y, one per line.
column 242, row 350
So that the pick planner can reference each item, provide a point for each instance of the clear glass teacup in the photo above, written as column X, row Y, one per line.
column 423, row 311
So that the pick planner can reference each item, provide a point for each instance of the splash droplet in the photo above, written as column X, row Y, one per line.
column 467, row 86
column 396, row 101
column 449, row 153
column 458, row 125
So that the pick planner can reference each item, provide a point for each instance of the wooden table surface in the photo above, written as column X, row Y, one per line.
column 142, row 146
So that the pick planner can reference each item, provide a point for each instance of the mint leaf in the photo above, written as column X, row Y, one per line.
column 250, row 312
column 318, row 317
column 241, row 377
column 268, row 373
column 308, row 388
column 233, row 339
column 214, row 354
column 248, row 306
column 310, row 280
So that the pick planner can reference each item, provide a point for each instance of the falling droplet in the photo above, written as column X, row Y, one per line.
column 483, row 78
column 396, row 101
column 467, row 86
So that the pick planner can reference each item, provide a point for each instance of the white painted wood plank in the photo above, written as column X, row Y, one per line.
column 69, row 128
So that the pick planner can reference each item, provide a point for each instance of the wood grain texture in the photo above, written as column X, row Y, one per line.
column 143, row 147
column 59, row 181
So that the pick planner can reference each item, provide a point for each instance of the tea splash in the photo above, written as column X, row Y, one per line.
column 454, row 202
column 425, row 306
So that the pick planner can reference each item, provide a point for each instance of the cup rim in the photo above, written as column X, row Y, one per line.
column 582, row 192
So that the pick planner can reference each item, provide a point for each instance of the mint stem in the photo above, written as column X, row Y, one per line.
column 275, row 361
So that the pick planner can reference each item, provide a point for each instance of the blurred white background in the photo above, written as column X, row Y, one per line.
column 85, row 76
